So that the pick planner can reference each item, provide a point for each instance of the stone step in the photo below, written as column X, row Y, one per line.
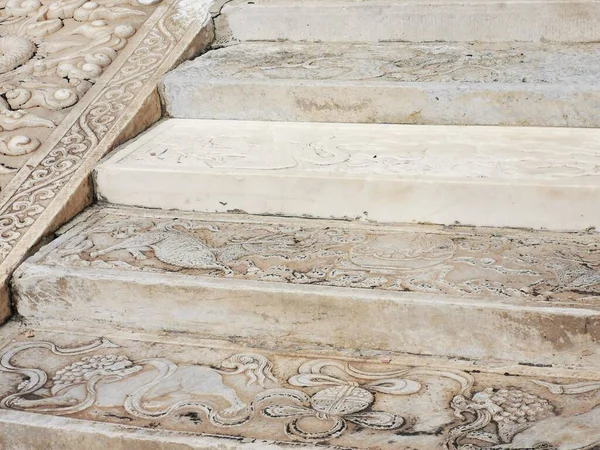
column 66, row 389
column 483, row 176
column 530, row 297
column 442, row 84
column 410, row 20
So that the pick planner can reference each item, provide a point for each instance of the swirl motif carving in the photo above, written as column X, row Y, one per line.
column 50, row 56
column 48, row 177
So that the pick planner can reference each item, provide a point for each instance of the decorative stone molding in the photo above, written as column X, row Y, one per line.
column 51, row 54
column 489, row 263
column 294, row 399
column 77, row 77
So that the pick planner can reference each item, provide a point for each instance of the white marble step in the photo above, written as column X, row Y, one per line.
column 484, row 176
column 454, row 84
column 411, row 20
column 96, row 390
column 530, row 297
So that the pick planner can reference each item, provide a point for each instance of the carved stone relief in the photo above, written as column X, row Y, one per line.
column 122, row 99
column 506, row 264
column 51, row 53
column 286, row 398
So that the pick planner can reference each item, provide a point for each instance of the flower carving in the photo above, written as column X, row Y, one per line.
column 512, row 410
column 348, row 396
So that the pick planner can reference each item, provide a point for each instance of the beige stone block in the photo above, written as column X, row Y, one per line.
column 411, row 20
column 483, row 176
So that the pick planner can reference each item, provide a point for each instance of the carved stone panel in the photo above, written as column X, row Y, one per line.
column 507, row 265
column 239, row 392
column 521, row 155
column 383, row 172
column 52, row 53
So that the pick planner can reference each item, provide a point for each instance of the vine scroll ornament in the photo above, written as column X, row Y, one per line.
column 104, row 61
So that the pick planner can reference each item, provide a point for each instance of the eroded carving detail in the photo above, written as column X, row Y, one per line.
column 349, row 149
column 512, row 410
column 171, row 246
column 323, row 400
column 428, row 62
column 463, row 261
column 82, row 55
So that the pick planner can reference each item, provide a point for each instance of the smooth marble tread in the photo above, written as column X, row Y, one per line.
column 139, row 392
column 483, row 176
column 469, row 292
column 410, row 20
column 521, row 84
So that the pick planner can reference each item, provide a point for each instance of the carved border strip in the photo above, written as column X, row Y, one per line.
column 54, row 184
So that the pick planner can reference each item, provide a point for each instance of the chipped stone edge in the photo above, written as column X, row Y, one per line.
column 55, row 184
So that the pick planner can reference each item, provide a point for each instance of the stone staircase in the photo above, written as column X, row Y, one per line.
column 360, row 225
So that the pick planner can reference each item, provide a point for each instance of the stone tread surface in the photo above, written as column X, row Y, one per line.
column 436, row 83
column 510, row 63
column 538, row 177
column 508, row 266
column 316, row 281
column 140, row 392
column 410, row 20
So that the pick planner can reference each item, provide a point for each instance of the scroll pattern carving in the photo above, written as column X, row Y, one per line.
column 506, row 264
column 322, row 401
column 84, row 64
column 51, row 54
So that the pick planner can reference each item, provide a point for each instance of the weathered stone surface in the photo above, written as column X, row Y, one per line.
column 140, row 392
column 449, row 84
column 51, row 54
column 485, row 176
column 477, row 293
column 411, row 20
column 53, row 183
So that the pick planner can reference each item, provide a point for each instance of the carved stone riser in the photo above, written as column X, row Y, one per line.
column 391, row 83
column 483, row 176
column 522, row 296
column 68, row 389
column 418, row 21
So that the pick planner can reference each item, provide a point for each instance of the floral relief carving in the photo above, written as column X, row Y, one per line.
column 347, row 396
column 325, row 401
column 463, row 261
